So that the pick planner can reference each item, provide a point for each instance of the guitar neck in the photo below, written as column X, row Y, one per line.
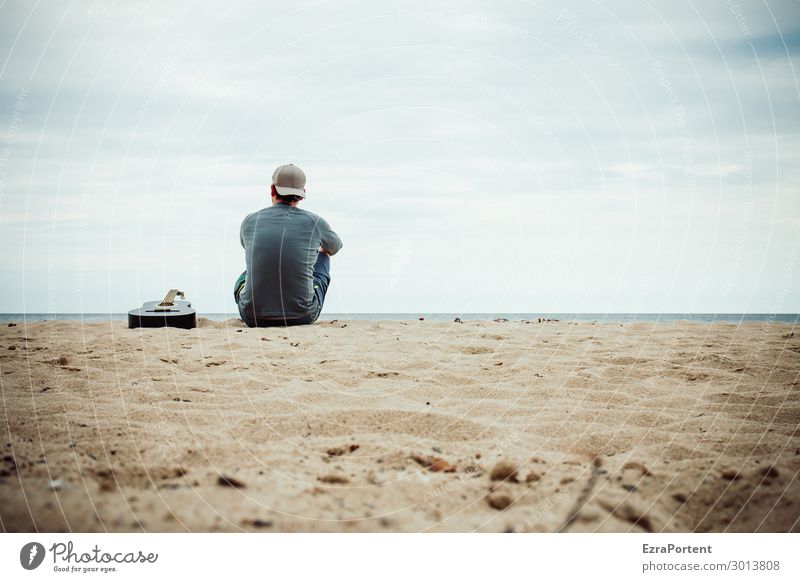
column 169, row 299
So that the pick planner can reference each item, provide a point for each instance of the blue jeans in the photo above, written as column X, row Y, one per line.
column 322, row 279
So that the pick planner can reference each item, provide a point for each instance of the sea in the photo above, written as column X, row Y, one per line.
column 792, row 318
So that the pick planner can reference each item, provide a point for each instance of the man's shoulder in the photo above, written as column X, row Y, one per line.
column 316, row 218
column 307, row 213
column 253, row 214
column 256, row 214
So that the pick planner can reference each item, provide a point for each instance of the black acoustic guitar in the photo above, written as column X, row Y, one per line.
column 166, row 313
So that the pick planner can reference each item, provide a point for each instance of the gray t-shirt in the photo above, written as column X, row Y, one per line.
column 281, row 245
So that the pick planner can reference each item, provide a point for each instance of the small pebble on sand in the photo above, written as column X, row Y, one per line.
column 226, row 481
column 504, row 471
column 333, row 479
column 532, row 477
column 498, row 500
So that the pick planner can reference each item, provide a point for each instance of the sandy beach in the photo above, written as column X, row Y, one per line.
column 401, row 426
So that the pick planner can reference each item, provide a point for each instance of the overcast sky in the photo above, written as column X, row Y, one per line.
column 504, row 156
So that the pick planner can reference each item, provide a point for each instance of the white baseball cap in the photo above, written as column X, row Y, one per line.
column 289, row 180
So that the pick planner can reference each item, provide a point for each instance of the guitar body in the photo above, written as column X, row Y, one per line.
column 166, row 313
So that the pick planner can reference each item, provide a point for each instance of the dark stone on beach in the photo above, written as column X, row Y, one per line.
column 261, row 523
column 498, row 500
column 12, row 325
column 434, row 464
column 457, row 320
column 532, row 477
column 225, row 481
column 630, row 488
column 333, row 479
column 730, row 474
column 12, row 347
column 504, row 471
column 339, row 451
column 770, row 472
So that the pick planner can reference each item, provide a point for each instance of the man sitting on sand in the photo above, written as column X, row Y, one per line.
column 287, row 252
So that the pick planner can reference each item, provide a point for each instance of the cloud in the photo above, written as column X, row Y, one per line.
column 608, row 146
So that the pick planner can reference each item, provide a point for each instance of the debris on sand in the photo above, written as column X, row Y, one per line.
column 257, row 522
column 376, row 478
column 770, row 472
column 333, row 479
column 344, row 449
column 434, row 464
column 730, row 474
column 498, row 500
column 226, row 481
column 533, row 477
column 504, row 471
column 637, row 466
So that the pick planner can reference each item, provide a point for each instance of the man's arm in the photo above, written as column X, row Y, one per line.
column 241, row 230
column 330, row 243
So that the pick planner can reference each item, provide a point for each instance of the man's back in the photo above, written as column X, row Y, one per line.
column 281, row 245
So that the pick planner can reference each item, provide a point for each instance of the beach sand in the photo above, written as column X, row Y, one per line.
column 401, row 426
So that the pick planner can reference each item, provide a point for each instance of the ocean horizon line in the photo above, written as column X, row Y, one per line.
column 609, row 317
